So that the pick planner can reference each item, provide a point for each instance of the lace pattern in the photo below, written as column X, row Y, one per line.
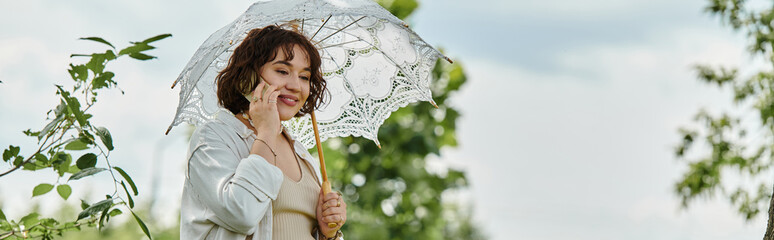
column 373, row 62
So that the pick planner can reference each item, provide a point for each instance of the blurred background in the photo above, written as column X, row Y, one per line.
column 558, row 120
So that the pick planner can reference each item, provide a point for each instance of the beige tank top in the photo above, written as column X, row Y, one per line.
column 293, row 211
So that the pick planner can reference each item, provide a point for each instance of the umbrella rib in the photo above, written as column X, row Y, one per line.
column 345, row 27
column 339, row 44
column 321, row 27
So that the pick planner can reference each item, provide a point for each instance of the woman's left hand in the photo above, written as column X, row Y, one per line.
column 331, row 208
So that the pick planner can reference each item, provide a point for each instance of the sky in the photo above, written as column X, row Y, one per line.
column 570, row 112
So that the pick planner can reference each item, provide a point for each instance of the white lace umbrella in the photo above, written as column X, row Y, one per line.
column 372, row 62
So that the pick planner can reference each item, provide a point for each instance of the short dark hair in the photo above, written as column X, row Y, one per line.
column 258, row 48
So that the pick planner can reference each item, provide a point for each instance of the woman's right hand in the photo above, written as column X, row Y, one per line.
column 263, row 111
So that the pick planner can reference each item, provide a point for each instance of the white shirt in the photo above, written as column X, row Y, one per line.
column 228, row 191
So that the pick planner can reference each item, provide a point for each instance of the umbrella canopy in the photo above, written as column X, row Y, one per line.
column 372, row 62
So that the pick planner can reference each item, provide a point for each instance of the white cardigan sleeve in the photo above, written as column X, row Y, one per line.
column 235, row 189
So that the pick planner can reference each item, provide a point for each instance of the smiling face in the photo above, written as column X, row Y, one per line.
column 291, row 77
column 281, row 57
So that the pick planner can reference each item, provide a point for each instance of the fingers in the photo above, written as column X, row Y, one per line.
column 262, row 91
column 256, row 93
column 267, row 91
column 333, row 219
column 330, row 196
column 330, row 216
column 333, row 200
column 331, row 203
column 272, row 99
column 333, row 211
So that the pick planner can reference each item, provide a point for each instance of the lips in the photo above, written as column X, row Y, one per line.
column 289, row 100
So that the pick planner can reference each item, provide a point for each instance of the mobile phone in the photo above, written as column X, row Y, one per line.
column 249, row 95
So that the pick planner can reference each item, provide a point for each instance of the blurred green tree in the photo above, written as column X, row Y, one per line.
column 390, row 192
column 730, row 148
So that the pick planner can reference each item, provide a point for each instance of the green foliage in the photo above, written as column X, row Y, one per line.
column 70, row 130
column 400, row 8
column 726, row 138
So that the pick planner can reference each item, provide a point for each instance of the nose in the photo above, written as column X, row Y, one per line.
column 294, row 83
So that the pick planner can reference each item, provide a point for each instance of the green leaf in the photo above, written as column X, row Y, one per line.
column 86, row 161
column 59, row 158
column 103, row 80
column 73, row 169
column 156, row 38
column 115, row 212
column 96, row 208
column 31, row 166
column 85, row 135
column 128, row 179
column 50, row 126
column 10, row 153
column 402, row 8
column 41, row 159
column 73, row 106
column 2, row 215
column 7, row 155
column 142, row 225
column 41, row 189
column 104, row 135
column 61, row 162
column 97, row 39
column 64, row 191
column 18, row 161
column 84, row 204
column 30, row 133
column 30, row 219
column 79, row 72
column 97, row 63
column 129, row 196
column 102, row 217
column 14, row 150
column 141, row 56
column 136, row 48
column 85, row 173
column 76, row 144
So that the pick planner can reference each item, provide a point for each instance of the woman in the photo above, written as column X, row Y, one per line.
column 247, row 178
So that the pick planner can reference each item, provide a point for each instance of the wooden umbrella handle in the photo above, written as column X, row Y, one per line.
column 323, row 172
column 326, row 185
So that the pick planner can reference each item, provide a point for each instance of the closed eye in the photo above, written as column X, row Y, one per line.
column 283, row 72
